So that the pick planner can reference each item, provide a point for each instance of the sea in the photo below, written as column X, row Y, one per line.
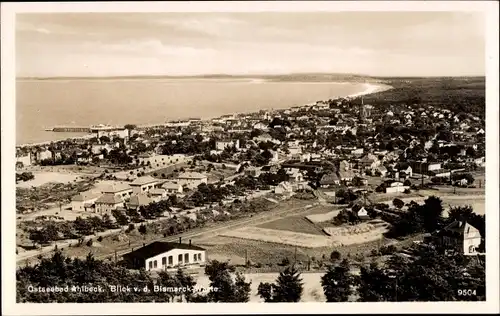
column 42, row 104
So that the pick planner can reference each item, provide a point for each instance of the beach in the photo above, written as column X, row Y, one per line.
column 41, row 104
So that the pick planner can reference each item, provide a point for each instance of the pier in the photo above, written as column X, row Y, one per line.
column 69, row 129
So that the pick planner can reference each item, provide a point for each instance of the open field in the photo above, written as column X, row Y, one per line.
column 42, row 178
column 281, row 237
column 295, row 224
column 319, row 218
column 358, row 234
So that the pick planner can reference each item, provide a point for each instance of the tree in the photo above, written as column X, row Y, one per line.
column 398, row 203
column 142, row 229
column 288, row 287
column 374, row 285
column 337, row 282
column 334, row 256
column 226, row 288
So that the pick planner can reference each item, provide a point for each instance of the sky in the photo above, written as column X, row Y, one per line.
column 371, row 43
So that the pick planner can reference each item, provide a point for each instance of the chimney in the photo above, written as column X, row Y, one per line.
column 190, row 242
column 143, row 244
column 180, row 240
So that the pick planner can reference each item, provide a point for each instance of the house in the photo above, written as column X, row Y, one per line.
column 404, row 170
column 43, row 155
column 344, row 165
column 363, row 214
column 84, row 201
column 139, row 200
column 156, row 161
column 346, row 175
column 265, row 137
column 329, row 179
column 172, row 187
column 396, row 187
column 253, row 171
column 221, row 145
column 144, row 184
column 369, row 161
column 284, row 188
column 160, row 256
column 423, row 167
column 122, row 190
column 295, row 176
column 382, row 170
column 460, row 236
column 261, row 126
column 25, row 160
column 158, row 194
column 108, row 202
column 192, row 179
column 357, row 152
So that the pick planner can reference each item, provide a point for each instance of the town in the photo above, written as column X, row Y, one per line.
column 355, row 181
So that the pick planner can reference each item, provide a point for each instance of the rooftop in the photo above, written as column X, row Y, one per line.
column 109, row 199
column 191, row 175
column 159, row 247
column 84, row 196
column 144, row 180
column 139, row 200
column 116, row 187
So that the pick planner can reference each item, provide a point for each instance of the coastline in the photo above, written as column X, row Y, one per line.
column 369, row 89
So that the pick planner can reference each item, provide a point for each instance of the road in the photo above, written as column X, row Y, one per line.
column 65, row 243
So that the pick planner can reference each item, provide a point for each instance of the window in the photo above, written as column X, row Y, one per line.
column 186, row 258
column 155, row 264
column 199, row 257
column 170, row 260
column 471, row 249
column 163, row 261
column 180, row 258
column 195, row 256
column 468, row 230
column 150, row 265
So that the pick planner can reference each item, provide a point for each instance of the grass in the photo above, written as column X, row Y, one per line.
column 296, row 224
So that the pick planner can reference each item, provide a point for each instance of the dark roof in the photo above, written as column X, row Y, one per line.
column 157, row 248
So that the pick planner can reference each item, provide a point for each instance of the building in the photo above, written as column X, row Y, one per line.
column 159, row 256
column 460, row 236
column 43, row 155
column 422, row 167
column 221, row 145
column 329, row 179
column 139, row 200
column 346, row 175
column 25, row 160
column 368, row 162
column 122, row 190
column 144, row 184
column 283, row 188
column 172, row 187
column 157, row 194
column 363, row 214
column 192, row 179
column 396, row 187
column 84, row 201
column 108, row 202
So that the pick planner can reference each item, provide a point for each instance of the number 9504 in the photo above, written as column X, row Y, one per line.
column 466, row 292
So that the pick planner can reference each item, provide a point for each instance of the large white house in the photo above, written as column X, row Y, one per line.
column 172, row 187
column 108, row 202
column 159, row 256
column 123, row 190
column 461, row 236
column 144, row 184
column 156, row 161
column 84, row 201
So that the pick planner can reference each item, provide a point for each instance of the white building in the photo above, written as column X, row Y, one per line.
column 396, row 187
column 145, row 184
column 156, row 161
column 43, row 155
column 172, row 187
column 25, row 159
column 192, row 179
column 108, row 202
column 221, row 145
column 160, row 256
column 122, row 190
column 84, row 201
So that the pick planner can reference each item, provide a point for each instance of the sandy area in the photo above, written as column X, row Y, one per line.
column 319, row 218
column 42, row 178
column 313, row 292
column 357, row 234
column 281, row 237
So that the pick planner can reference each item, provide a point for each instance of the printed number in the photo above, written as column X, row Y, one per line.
column 466, row 292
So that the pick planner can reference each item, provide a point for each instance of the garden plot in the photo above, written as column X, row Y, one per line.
column 282, row 237
column 358, row 234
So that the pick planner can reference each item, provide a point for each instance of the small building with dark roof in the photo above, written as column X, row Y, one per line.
column 160, row 255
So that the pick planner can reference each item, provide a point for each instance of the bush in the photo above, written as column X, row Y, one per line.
column 334, row 256
column 387, row 250
column 374, row 253
column 407, row 191
column 90, row 242
column 143, row 229
column 285, row 262
column 130, row 228
column 99, row 239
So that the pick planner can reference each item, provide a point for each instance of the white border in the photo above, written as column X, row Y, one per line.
column 8, row 11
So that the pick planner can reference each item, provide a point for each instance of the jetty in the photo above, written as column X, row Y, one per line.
column 69, row 129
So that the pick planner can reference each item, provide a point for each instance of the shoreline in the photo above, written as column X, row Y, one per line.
column 369, row 89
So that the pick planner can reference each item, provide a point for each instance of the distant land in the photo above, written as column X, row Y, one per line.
column 302, row 77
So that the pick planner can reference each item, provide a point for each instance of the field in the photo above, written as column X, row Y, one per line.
column 323, row 217
column 358, row 234
column 42, row 178
column 281, row 237
column 295, row 224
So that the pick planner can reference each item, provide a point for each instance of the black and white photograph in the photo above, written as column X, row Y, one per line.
column 188, row 153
